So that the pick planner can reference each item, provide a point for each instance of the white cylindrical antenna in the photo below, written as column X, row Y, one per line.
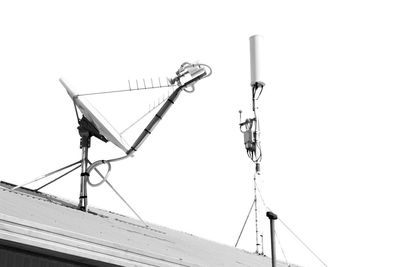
column 256, row 58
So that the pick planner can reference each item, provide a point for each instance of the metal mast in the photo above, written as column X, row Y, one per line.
column 86, row 131
column 250, row 127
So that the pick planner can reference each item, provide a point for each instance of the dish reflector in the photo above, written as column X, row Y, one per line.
column 94, row 116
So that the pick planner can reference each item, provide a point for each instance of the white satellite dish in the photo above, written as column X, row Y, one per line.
column 97, row 119
column 94, row 124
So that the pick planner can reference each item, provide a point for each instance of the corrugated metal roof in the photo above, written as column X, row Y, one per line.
column 13, row 255
column 42, row 220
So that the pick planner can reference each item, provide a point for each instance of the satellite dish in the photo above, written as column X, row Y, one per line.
column 93, row 123
column 97, row 119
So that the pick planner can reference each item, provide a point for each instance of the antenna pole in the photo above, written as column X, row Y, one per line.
column 250, row 127
column 83, row 201
column 257, row 157
column 84, row 145
column 255, row 214
column 262, row 244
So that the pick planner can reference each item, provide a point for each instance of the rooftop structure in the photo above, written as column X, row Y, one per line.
column 37, row 227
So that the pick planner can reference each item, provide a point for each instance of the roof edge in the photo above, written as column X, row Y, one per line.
column 56, row 239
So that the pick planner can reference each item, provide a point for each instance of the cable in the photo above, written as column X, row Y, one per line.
column 126, row 203
column 302, row 242
column 104, row 178
column 144, row 115
column 59, row 177
column 189, row 91
column 292, row 232
column 125, row 90
column 44, row 176
column 254, row 90
column 283, row 252
column 208, row 67
column 245, row 222
column 116, row 192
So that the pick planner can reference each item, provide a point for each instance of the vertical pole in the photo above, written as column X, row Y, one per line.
column 257, row 162
column 272, row 217
column 256, row 129
column 83, row 201
column 257, row 85
column 262, row 244
column 255, row 212
column 85, row 144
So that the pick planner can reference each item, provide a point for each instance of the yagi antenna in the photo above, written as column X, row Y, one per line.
column 151, row 108
column 93, row 123
column 250, row 127
column 138, row 86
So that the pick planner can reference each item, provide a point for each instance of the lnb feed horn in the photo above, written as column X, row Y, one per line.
column 188, row 74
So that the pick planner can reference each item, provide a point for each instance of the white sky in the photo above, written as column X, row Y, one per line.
column 329, row 115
